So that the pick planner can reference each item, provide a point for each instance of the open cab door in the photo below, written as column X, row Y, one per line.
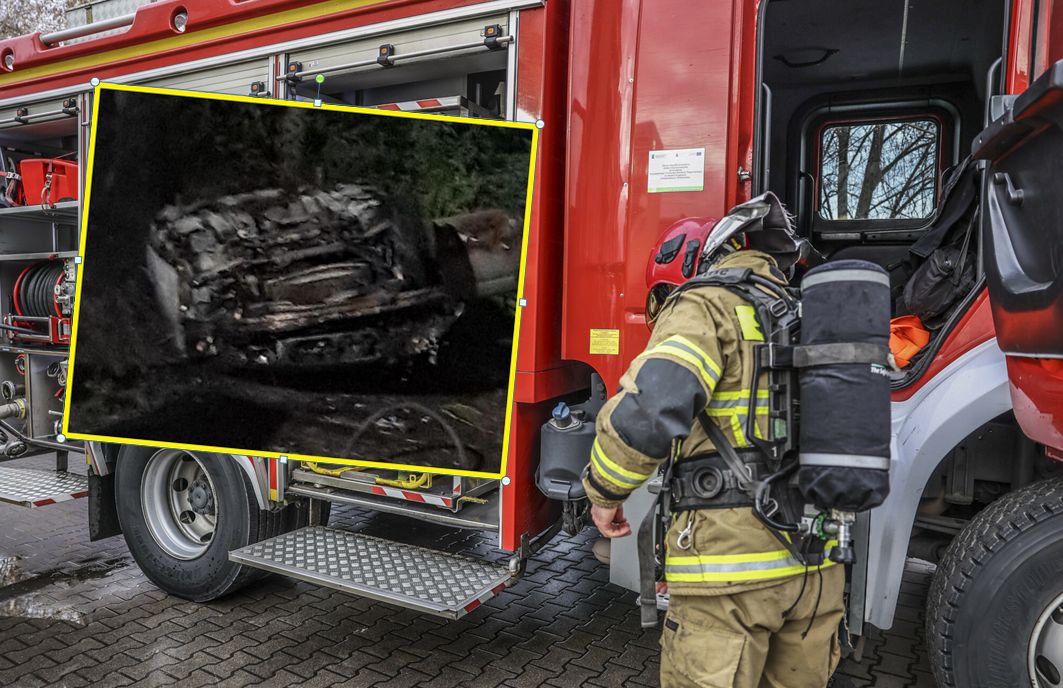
column 1022, row 232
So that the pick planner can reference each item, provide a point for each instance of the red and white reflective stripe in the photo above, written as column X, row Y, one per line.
column 60, row 498
column 271, row 476
column 484, row 597
column 410, row 496
column 418, row 105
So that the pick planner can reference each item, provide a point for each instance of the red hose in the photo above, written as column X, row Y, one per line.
column 55, row 295
column 16, row 293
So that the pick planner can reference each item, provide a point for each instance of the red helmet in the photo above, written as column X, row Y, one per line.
column 690, row 246
column 675, row 259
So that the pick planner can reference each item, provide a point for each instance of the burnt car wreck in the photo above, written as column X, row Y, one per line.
column 323, row 322
column 322, row 278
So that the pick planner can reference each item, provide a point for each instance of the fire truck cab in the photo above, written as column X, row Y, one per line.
column 855, row 114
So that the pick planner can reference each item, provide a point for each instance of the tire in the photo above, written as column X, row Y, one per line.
column 189, row 556
column 1001, row 580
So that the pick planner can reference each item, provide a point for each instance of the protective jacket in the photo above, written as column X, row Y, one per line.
column 700, row 356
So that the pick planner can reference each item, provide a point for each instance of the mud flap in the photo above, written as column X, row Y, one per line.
column 103, row 511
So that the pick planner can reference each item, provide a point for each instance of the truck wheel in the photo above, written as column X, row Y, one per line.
column 995, row 609
column 181, row 514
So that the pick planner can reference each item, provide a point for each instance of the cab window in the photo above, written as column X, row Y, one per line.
column 878, row 170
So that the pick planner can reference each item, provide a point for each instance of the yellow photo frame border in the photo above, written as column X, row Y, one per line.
column 507, row 427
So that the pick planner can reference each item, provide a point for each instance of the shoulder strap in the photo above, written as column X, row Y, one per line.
column 721, row 277
column 728, row 453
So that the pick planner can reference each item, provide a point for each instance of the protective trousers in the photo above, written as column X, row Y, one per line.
column 756, row 638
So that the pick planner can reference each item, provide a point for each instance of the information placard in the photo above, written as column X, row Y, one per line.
column 681, row 169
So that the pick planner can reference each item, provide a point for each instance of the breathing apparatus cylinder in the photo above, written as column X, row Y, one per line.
column 845, row 406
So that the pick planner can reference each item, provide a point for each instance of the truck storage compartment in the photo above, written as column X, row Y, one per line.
column 40, row 144
column 456, row 69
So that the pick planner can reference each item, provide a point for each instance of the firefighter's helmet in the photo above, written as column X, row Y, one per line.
column 675, row 259
column 691, row 245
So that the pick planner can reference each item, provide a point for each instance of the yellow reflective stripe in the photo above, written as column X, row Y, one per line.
column 736, row 428
column 734, row 406
column 698, row 350
column 736, row 418
column 747, row 322
column 685, row 350
column 774, row 555
column 710, row 381
column 728, row 558
column 728, row 411
column 616, row 467
column 738, row 406
column 613, row 472
column 757, row 432
column 741, row 394
column 737, row 567
column 744, row 576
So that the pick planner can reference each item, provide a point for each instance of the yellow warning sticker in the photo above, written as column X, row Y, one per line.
column 605, row 342
column 747, row 320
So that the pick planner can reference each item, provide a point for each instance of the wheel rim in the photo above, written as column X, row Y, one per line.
column 1045, row 656
column 179, row 503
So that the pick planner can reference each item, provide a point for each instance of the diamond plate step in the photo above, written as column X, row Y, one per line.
column 33, row 488
column 422, row 579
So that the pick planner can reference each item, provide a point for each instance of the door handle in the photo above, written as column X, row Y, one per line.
column 1015, row 196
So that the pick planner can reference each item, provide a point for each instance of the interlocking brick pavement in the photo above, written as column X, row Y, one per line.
column 75, row 613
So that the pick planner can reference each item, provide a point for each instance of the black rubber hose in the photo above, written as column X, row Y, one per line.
column 447, row 428
column 36, row 291
column 763, row 488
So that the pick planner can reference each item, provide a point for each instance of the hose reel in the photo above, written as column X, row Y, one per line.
column 34, row 293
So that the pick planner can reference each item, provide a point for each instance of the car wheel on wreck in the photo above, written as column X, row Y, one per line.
column 183, row 512
column 995, row 609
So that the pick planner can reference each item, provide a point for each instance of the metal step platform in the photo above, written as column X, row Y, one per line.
column 33, row 488
column 422, row 579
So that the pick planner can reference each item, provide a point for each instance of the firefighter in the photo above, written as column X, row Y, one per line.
column 743, row 611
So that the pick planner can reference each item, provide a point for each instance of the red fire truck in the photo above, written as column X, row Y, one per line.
column 650, row 112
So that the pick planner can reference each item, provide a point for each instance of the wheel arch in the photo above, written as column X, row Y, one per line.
column 255, row 467
column 257, row 470
column 969, row 393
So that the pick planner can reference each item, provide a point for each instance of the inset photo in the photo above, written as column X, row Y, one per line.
column 283, row 279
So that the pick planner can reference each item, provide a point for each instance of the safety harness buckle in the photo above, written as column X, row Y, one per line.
column 775, row 356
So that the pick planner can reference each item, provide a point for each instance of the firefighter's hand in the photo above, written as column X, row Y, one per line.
column 610, row 521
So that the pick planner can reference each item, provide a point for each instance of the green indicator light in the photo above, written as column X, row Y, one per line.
column 319, row 78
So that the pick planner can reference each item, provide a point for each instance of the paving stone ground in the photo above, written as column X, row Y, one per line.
column 75, row 613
